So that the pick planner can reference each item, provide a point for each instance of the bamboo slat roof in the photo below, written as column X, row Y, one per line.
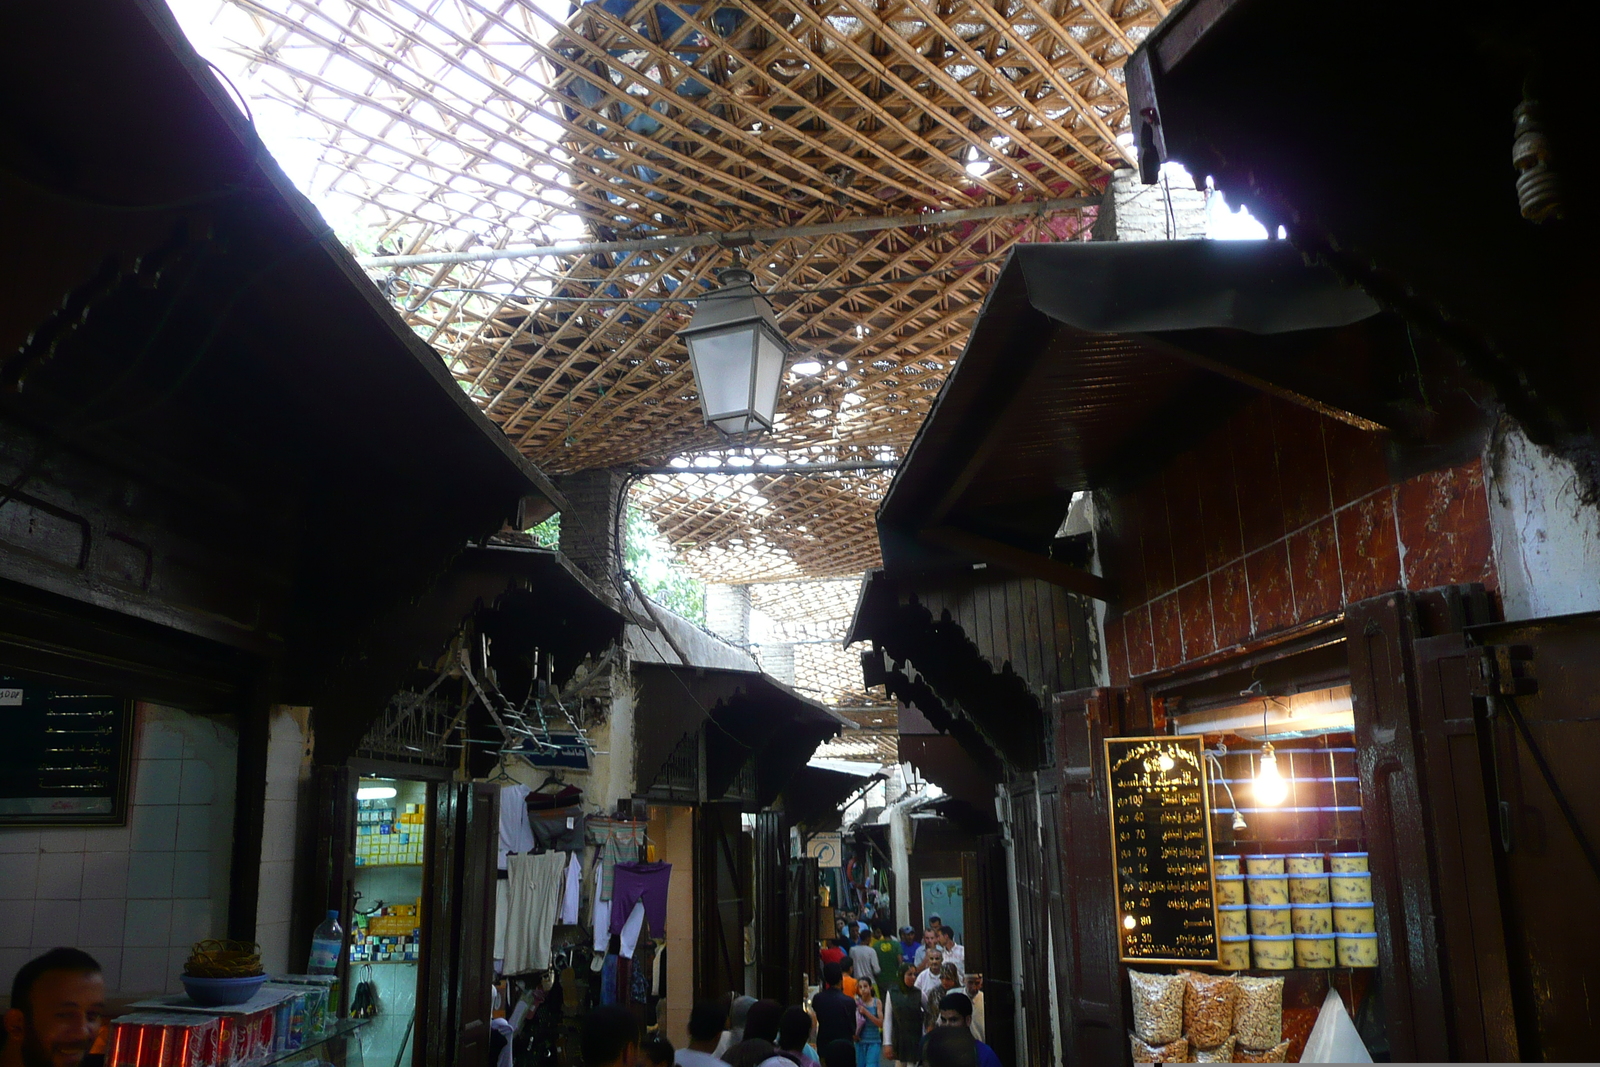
column 470, row 124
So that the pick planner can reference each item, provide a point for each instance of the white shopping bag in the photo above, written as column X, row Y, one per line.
column 1334, row 1038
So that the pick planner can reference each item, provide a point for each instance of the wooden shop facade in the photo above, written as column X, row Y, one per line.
column 1183, row 490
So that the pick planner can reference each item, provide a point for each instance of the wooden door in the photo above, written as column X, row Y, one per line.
column 803, row 930
column 1076, row 836
column 771, row 855
column 722, row 901
column 1472, row 936
column 457, row 970
column 1033, row 925
column 332, row 885
column 1535, row 686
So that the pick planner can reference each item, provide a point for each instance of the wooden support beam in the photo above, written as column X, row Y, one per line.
column 1020, row 560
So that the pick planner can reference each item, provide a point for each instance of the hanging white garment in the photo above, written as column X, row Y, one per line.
column 533, row 893
column 632, row 929
column 573, row 892
column 601, row 913
column 515, row 833
column 500, row 915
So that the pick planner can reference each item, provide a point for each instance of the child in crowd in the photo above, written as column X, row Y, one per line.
column 869, row 1024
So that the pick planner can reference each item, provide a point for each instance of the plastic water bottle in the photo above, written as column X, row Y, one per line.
column 326, row 944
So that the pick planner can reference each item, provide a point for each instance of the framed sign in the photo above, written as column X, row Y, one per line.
column 825, row 849
column 1161, row 836
column 946, row 898
column 65, row 755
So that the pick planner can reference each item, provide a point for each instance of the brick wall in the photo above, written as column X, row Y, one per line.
column 1279, row 517
column 590, row 525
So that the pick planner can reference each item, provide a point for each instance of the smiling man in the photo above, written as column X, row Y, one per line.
column 57, row 1003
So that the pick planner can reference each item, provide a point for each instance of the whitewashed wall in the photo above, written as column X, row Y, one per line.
column 1546, row 537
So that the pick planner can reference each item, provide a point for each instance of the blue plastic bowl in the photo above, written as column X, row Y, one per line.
column 220, row 992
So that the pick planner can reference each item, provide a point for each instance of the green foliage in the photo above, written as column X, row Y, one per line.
column 649, row 559
column 548, row 533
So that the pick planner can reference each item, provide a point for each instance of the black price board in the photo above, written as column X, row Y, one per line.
column 1161, row 833
column 63, row 754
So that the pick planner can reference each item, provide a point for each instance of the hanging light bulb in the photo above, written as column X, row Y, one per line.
column 1270, row 787
column 1238, row 821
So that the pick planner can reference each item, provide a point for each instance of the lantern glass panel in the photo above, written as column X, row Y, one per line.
column 770, row 352
column 722, row 369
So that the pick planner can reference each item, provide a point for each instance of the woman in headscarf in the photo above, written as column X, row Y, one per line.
column 902, row 1038
column 736, row 1020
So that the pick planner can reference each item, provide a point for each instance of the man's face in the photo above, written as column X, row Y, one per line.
column 934, row 958
column 952, row 1018
column 928, row 939
column 946, row 938
column 66, row 1012
column 909, row 938
column 974, row 983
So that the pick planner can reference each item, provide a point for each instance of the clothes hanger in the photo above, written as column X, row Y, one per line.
column 500, row 774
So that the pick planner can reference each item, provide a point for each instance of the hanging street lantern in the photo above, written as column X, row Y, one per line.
column 737, row 354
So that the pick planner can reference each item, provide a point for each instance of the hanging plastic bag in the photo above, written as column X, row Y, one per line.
column 1334, row 1039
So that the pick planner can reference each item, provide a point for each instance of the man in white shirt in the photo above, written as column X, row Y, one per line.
column 705, row 1028
column 953, row 953
column 928, row 978
column 864, row 958
column 975, row 994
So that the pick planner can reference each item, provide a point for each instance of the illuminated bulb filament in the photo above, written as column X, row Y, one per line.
column 1270, row 787
column 1165, row 762
column 1129, row 922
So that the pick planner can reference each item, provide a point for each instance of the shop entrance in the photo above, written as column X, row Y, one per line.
column 387, row 926
column 407, row 857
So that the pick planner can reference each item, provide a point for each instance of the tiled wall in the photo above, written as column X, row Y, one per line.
column 288, row 769
column 1277, row 518
column 135, row 897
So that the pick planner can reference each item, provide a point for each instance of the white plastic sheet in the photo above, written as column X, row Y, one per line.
column 1334, row 1039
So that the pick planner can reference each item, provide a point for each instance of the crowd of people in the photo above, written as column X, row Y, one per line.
column 884, row 1001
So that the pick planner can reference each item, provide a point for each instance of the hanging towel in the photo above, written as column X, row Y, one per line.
column 641, row 882
column 515, row 833
column 533, row 893
column 572, row 891
column 619, row 841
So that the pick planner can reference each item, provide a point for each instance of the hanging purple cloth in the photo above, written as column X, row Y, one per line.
column 634, row 882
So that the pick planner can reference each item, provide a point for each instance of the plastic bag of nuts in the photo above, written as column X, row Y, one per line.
column 1171, row 1052
column 1223, row 1053
column 1208, row 1008
column 1258, row 1012
column 1157, row 1007
column 1275, row 1054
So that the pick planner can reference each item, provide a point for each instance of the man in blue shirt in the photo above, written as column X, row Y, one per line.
column 909, row 944
column 956, row 1010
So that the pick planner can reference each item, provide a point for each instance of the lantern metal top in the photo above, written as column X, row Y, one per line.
column 736, row 301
